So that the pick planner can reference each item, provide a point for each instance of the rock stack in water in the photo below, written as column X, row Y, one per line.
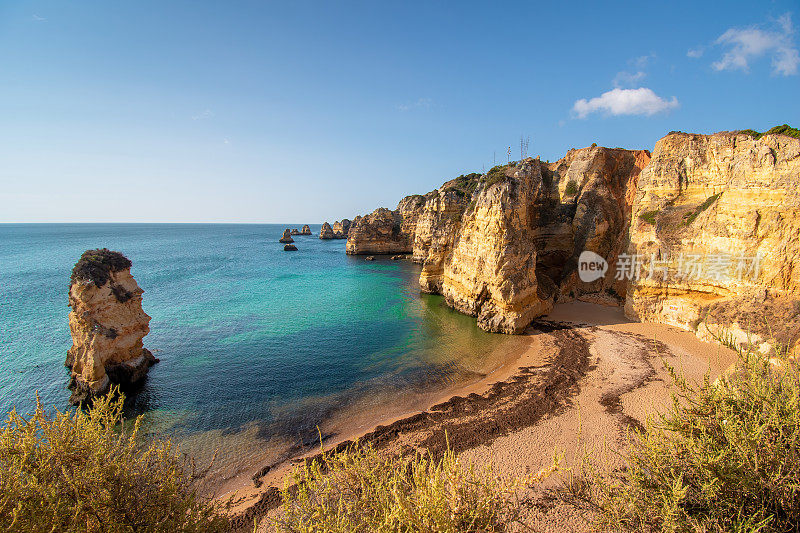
column 341, row 229
column 326, row 232
column 295, row 232
column 107, row 324
column 286, row 237
column 306, row 230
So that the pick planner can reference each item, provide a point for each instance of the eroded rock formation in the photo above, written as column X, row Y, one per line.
column 504, row 245
column 716, row 234
column 305, row 230
column 107, row 324
column 294, row 232
column 326, row 232
column 286, row 237
column 341, row 229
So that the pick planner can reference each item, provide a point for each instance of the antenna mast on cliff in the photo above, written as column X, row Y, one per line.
column 523, row 147
column 508, row 155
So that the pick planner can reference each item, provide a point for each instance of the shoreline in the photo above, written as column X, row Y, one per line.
column 565, row 351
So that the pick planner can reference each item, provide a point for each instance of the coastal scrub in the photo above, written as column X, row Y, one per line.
column 81, row 472
column 725, row 458
column 358, row 490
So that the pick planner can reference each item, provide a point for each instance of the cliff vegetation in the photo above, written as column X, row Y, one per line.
column 97, row 266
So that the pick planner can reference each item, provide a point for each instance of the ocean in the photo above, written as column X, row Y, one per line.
column 261, row 350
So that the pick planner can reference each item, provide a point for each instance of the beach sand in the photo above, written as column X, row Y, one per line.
column 587, row 376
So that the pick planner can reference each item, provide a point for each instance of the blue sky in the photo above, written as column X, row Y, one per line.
column 191, row 111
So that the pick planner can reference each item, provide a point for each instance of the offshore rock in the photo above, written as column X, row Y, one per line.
column 305, row 230
column 286, row 237
column 326, row 232
column 341, row 229
column 295, row 232
column 290, row 248
column 107, row 324
column 716, row 232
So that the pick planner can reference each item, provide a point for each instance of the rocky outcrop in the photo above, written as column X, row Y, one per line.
column 289, row 248
column 341, row 229
column 715, row 234
column 326, row 232
column 107, row 324
column 380, row 232
column 286, row 237
column 491, row 270
column 596, row 187
column 305, row 230
column 504, row 245
column 294, row 232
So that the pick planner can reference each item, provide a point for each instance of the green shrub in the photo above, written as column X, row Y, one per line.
column 571, row 188
column 783, row 129
column 496, row 175
column 358, row 490
column 79, row 472
column 465, row 184
column 725, row 458
column 649, row 217
column 97, row 266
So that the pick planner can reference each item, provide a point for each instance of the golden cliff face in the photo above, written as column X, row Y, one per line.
column 491, row 271
column 716, row 232
column 504, row 245
column 596, row 189
column 107, row 324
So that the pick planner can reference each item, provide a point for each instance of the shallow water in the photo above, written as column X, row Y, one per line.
column 258, row 347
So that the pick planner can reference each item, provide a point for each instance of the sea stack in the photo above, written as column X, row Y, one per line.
column 107, row 324
column 286, row 237
column 306, row 230
column 341, row 229
column 295, row 232
column 326, row 232
column 289, row 248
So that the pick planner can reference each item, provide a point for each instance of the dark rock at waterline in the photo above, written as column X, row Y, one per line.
column 295, row 232
column 306, row 230
column 369, row 258
column 290, row 248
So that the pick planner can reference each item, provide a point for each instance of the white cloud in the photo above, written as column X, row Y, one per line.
column 695, row 53
column 748, row 44
column 642, row 61
column 628, row 78
column 37, row 18
column 421, row 103
column 204, row 115
column 641, row 101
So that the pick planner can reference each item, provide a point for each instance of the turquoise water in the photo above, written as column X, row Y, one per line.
column 258, row 346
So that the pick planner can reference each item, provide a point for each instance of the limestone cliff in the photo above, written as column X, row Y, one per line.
column 596, row 188
column 491, row 271
column 502, row 246
column 715, row 232
column 107, row 324
column 380, row 232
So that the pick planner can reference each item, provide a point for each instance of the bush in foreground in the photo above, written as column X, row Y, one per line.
column 79, row 472
column 725, row 458
column 358, row 490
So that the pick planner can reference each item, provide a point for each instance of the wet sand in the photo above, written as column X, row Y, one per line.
column 586, row 377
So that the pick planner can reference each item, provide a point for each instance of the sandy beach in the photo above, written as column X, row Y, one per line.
column 587, row 375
